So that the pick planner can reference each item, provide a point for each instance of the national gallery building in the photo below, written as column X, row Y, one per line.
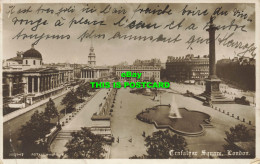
column 24, row 76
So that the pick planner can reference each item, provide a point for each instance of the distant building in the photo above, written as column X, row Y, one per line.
column 188, row 68
column 124, row 63
column 239, row 71
column 76, row 67
column 152, row 62
column 91, row 71
column 163, row 65
column 25, row 75
column 149, row 73
column 77, row 70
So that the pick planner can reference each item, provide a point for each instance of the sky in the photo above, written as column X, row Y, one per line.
column 114, row 51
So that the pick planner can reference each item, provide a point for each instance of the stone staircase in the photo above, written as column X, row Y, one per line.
column 65, row 134
column 207, row 125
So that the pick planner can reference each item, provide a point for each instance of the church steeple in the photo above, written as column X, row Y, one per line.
column 92, row 56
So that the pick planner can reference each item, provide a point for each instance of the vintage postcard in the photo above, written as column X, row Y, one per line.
column 130, row 80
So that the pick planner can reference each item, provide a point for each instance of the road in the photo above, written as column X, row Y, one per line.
column 11, row 128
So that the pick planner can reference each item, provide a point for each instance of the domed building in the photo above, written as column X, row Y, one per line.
column 26, row 76
column 32, row 57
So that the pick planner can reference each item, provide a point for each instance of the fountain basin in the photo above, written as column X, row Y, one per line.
column 191, row 123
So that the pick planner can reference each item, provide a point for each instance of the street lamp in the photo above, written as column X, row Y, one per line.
column 58, row 118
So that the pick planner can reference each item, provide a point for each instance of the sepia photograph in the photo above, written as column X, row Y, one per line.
column 121, row 80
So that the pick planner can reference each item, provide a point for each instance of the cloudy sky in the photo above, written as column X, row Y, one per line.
column 114, row 51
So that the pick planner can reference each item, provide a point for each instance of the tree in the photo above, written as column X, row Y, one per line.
column 70, row 100
column 33, row 133
column 82, row 91
column 161, row 143
column 90, row 87
column 51, row 111
column 117, row 78
column 85, row 144
column 239, row 133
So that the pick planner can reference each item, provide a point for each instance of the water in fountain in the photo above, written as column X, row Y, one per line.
column 156, row 98
column 174, row 111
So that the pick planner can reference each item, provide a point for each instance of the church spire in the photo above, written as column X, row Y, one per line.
column 91, row 47
column 92, row 56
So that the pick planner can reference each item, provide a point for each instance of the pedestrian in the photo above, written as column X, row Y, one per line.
column 143, row 134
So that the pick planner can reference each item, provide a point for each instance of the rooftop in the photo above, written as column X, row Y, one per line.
column 32, row 53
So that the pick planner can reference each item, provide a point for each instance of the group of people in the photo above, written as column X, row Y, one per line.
column 130, row 140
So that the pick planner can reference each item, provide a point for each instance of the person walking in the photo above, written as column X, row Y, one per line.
column 143, row 134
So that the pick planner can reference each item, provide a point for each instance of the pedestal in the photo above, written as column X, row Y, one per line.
column 213, row 94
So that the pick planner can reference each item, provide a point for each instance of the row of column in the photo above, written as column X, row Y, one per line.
column 35, row 83
column 14, row 85
column 10, row 88
column 68, row 75
column 88, row 74
column 44, row 83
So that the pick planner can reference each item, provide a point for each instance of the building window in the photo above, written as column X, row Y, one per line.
column 40, row 62
column 26, row 62
column 33, row 62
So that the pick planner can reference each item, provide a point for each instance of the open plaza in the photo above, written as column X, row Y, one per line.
column 128, row 129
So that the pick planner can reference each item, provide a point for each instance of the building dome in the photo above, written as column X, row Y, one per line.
column 32, row 53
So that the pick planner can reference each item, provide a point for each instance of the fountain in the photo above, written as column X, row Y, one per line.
column 180, row 120
column 156, row 98
column 174, row 110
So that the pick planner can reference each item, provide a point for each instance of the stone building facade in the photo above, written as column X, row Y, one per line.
column 231, row 71
column 188, row 68
column 152, row 62
column 25, row 75
column 149, row 73
column 91, row 71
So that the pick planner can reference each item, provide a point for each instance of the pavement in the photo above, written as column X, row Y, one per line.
column 125, row 126
column 128, row 130
column 243, row 111
column 81, row 119
column 213, row 138
column 227, row 91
